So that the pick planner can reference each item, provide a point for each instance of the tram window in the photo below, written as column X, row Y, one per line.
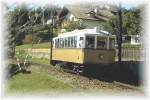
column 53, row 44
column 66, row 42
column 90, row 41
column 69, row 40
column 56, row 43
column 63, row 42
column 81, row 38
column 72, row 42
column 111, row 43
column 60, row 45
column 101, row 42
column 75, row 41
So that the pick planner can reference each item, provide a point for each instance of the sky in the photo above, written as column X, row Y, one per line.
column 125, row 3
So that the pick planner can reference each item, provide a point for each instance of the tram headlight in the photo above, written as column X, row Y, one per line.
column 100, row 56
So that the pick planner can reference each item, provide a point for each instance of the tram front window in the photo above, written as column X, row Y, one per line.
column 101, row 42
column 90, row 41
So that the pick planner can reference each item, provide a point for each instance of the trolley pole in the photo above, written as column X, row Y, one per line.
column 120, row 33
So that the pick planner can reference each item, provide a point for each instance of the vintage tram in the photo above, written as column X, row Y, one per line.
column 83, row 47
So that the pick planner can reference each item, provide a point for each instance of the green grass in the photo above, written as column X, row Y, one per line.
column 41, row 45
column 36, row 82
column 43, row 61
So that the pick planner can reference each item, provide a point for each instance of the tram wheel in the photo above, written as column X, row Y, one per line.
column 78, row 69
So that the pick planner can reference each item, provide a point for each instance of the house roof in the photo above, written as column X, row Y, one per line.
column 82, row 13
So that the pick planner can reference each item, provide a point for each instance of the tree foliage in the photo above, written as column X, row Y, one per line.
column 131, row 22
column 22, row 21
column 72, row 25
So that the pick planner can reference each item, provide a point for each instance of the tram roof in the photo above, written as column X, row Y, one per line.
column 85, row 32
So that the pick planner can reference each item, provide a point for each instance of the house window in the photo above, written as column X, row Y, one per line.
column 101, row 42
column 90, row 40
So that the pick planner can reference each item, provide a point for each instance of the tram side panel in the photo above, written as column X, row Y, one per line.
column 92, row 56
column 68, row 55
column 84, row 56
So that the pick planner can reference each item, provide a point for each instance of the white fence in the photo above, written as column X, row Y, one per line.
column 132, row 54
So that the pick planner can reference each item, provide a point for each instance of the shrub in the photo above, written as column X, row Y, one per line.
column 28, row 39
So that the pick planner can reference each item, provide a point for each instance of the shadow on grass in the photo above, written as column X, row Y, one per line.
column 14, row 69
column 128, row 72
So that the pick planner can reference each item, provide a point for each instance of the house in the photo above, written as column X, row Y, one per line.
column 86, row 17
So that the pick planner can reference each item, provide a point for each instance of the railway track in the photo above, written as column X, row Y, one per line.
column 126, row 85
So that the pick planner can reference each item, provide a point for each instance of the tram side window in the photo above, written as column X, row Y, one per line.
column 66, row 42
column 56, row 43
column 60, row 44
column 63, row 42
column 72, row 42
column 75, row 41
column 69, row 40
column 111, row 43
column 53, row 44
column 101, row 42
column 90, row 41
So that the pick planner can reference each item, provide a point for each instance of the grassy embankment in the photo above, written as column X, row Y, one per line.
column 36, row 60
column 41, row 45
column 37, row 81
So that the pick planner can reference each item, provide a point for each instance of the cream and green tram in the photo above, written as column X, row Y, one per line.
column 84, row 47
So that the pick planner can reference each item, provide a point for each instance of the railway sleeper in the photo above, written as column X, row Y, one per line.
column 74, row 68
column 78, row 69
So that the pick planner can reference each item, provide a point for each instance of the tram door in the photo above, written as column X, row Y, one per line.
column 81, row 42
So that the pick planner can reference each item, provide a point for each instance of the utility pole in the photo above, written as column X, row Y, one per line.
column 43, row 17
column 120, row 33
column 51, row 35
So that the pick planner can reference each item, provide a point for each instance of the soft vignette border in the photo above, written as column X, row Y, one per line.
column 146, row 71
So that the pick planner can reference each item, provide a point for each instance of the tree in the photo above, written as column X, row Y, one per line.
column 131, row 22
column 72, row 25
